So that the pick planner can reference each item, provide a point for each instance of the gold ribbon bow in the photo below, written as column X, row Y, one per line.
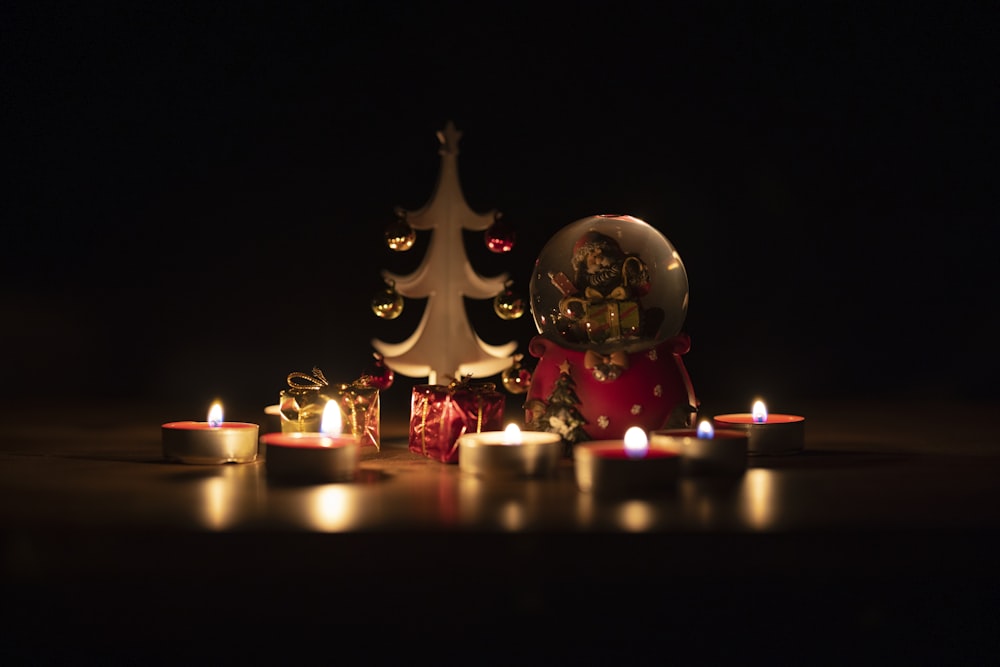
column 317, row 380
column 617, row 294
column 605, row 368
column 593, row 359
column 314, row 381
column 465, row 383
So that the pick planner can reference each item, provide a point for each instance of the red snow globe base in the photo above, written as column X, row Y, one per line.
column 568, row 394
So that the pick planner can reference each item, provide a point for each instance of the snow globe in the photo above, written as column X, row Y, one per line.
column 609, row 294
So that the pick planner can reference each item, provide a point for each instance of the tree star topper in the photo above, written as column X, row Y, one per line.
column 449, row 138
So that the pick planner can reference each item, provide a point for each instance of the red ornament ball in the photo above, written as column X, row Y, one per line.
column 378, row 375
column 500, row 237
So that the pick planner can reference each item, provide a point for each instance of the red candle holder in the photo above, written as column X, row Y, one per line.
column 717, row 452
column 768, row 435
column 614, row 468
column 311, row 457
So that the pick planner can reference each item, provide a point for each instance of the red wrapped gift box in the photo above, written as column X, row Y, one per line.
column 440, row 414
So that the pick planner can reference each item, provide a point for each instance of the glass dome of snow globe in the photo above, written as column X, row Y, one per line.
column 609, row 283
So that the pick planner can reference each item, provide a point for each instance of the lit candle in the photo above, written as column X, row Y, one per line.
column 767, row 433
column 631, row 466
column 210, row 442
column 511, row 452
column 326, row 456
column 706, row 450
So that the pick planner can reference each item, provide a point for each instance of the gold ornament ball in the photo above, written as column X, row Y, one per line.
column 516, row 379
column 507, row 306
column 399, row 235
column 387, row 304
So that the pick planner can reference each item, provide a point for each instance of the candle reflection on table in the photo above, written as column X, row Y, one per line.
column 328, row 508
column 507, row 502
column 758, row 498
column 512, row 515
column 240, row 495
column 701, row 509
column 636, row 516
column 233, row 495
column 218, row 504
column 711, row 502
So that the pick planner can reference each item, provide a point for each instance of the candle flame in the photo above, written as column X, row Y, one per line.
column 705, row 429
column 636, row 442
column 332, row 423
column 215, row 415
column 759, row 412
column 512, row 435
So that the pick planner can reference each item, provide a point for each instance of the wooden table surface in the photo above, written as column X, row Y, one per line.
column 885, row 524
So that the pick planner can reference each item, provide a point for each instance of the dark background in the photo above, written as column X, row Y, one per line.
column 196, row 193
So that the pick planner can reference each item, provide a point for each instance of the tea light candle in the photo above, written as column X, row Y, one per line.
column 767, row 433
column 327, row 456
column 706, row 450
column 210, row 442
column 625, row 467
column 510, row 452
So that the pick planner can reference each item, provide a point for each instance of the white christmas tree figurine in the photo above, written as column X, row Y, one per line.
column 444, row 343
